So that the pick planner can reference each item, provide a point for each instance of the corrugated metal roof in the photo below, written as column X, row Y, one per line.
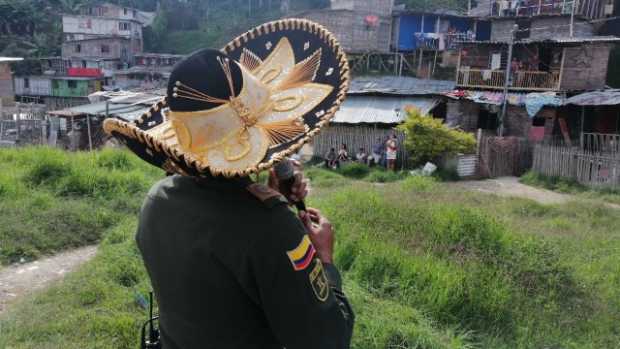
column 10, row 59
column 123, row 104
column 399, row 85
column 605, row 97
column 566, row 40
column 122, row 110
column 383, row 110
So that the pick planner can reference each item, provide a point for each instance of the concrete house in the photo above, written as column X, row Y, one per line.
column 7, row 93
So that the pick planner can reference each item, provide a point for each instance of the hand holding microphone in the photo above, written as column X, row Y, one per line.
column 286, row 178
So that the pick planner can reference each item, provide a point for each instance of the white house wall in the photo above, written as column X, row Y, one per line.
column 83, row 27
column 38, row 86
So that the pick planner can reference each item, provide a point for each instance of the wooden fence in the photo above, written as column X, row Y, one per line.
column 593, row 169
column 355, row 137
column 504, row 156
column 600, row 142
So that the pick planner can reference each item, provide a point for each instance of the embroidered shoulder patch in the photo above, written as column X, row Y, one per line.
column 318, row 280
column 302, row 255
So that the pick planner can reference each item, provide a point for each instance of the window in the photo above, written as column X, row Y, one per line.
column 26, row 83
column 125, row 11
column 135, row 13
column 78, row 48
column 105, row 49
column 55, row 84
column 72, row 84
column 123, row 26
column 83, row 64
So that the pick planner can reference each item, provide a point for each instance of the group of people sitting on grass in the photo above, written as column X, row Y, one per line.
column 384, row 153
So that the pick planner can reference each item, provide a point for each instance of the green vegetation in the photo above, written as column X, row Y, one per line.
column 428, row 139
column 33, row 28
column 570, row 186
column 426, row 265
column 352, row 170
column 51, row 200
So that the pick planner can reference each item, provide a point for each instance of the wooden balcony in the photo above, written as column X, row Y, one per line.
column 521, row 80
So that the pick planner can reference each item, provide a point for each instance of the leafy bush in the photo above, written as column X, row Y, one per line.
column 427, row 138
column 354, row 170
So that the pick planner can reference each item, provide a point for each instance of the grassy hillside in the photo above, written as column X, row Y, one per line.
column 52, row 201
column 425, row 265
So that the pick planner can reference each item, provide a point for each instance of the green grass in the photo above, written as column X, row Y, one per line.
column 424, row 264
column 51, row 200
column 570, row 186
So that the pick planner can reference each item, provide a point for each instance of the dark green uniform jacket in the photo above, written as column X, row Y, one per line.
column 233, row 268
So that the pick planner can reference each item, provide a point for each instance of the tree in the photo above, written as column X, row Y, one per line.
column 427, row 139
column 435, row 5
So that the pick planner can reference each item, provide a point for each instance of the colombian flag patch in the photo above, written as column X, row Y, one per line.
column 302, row 255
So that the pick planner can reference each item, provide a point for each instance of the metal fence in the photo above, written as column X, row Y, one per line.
column 22, row 132
column 595, row 169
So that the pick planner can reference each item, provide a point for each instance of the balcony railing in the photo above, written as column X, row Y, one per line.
column 510, row 8
column 521, row 80
column 441, row 41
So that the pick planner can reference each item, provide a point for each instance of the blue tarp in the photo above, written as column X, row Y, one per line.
column 535, row 101
column 483, row 31
column 409, row 24
column 430, row 24
column 462, row 25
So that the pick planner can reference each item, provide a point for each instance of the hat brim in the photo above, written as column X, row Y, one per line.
column 335, row 72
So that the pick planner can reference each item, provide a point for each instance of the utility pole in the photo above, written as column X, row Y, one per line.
column 507, row 79
column 572, row 17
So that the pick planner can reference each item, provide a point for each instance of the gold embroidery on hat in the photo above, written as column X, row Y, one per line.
column 271, row 75
column 281, row 105
column 250, row 60
column 283, row 131
column 302, row 73
column 268, row 111
column 183, row 91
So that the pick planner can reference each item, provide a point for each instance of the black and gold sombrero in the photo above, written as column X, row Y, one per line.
column 241, row 109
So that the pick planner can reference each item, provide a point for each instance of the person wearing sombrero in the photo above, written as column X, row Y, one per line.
column 230, row 263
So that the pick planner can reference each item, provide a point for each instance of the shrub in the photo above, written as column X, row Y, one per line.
column 354, row 170
column 427, row 138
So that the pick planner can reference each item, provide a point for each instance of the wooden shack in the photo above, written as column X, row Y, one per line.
column 374, row 107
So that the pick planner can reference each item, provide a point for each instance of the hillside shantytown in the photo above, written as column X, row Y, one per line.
column 471, row 174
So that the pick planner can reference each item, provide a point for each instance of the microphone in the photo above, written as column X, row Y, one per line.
column 285, row 173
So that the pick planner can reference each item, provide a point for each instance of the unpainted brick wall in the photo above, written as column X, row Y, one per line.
column 543, row 28
column 463, row 114
column 351, row 31
column 585, row 67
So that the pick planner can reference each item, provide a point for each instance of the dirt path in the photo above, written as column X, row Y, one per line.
column 20, row 279
column 510, row 186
